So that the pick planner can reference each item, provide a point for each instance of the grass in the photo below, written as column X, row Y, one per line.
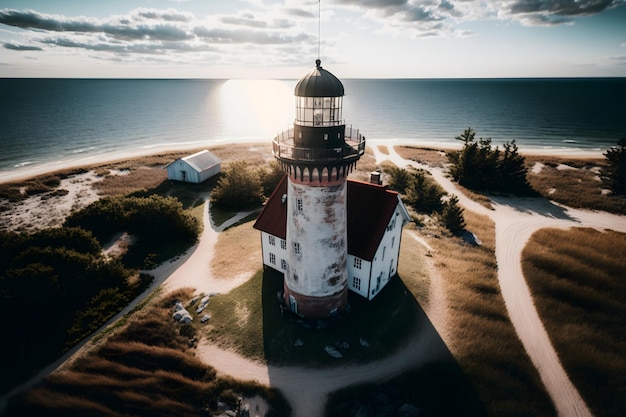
column 412, row 267
column 577, row 280
column 427, row 156
column 579, row 187
column 146, row 369
column 484, row 341
column 242, row 243
column 381, row 323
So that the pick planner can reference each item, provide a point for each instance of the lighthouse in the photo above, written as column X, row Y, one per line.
column 317, row 153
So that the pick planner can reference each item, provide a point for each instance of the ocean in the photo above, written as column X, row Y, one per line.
column 46, row 122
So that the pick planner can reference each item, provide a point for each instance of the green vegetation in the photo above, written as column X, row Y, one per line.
column 424, row 195
column 577, row 280
column 147, row 369
column 236, row 324
column 51, row 287
column 479, row 166
column 615, row 173
column 239, row 187
column 160, row 225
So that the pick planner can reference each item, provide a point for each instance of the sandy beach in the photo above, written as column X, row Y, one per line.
column 513, row 229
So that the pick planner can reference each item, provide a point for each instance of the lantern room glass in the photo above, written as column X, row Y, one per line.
column 318, row 111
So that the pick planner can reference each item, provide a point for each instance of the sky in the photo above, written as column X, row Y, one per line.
column 281, row 39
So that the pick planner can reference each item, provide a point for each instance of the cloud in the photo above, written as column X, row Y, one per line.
column 15, row 47
column 144, row 31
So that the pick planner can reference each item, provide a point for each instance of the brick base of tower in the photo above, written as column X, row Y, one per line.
column 316, row 308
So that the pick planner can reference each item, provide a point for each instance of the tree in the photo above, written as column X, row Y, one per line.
column 615, row 173
column 238, row 187
column 452, row 215
column 399, row 179
column 270, row 177
column 480, row 166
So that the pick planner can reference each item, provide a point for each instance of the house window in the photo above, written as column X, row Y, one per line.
column 283, row 264
column 272, row 240
column 299, row 204
column 393, row 239
column 296, row 248
column 384, row 248
column 357, row 263
column 272, row 259
column 283, row 244
column 356, row 283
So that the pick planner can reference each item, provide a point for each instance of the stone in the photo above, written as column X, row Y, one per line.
column 298, row 343
column 205, row 318
column 364, row 343
column 333, row 352
column 345, row 345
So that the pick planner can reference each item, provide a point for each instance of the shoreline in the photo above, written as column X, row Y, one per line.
column 27, row 172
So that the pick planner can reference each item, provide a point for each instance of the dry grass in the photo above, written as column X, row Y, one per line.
column 577, row 280
column 427, row 156
column 483, row 339
column 141, row 179
column 147, row 369
column 238, row 251
column 383, row 149
column 413, row 269
column 578, row 186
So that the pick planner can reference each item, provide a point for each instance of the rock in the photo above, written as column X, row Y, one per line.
column 363, row 343
column 408, row 410
column 298, row 343
column 345, row 345
column 333, row 352
column 193, row 301
column 205, row 318
column 178, row 306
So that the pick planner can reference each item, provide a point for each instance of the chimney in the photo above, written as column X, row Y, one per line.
column 375, row 178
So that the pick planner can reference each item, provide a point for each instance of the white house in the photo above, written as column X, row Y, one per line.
column 375, row 217
column 195, row 168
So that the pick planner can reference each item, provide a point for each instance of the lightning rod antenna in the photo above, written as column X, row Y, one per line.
column 319, row 27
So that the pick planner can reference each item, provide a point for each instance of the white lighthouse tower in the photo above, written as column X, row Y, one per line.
column 317, row 154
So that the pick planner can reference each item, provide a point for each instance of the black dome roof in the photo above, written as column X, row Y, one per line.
column 319, row 83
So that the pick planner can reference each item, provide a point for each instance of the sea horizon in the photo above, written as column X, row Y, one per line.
column 60, row 121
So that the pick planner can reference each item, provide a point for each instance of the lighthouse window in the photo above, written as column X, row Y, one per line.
column 299, row 204
column 296, row 248
column 356, row 283
column 325, row 136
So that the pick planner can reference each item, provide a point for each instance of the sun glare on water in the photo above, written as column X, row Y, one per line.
column 256, row 108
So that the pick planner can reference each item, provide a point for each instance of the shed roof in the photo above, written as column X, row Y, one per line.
column 370, row 207
column 201, row 161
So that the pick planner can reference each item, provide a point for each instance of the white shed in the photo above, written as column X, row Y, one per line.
column 194, row 168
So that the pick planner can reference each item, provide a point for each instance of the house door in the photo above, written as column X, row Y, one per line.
column 183, row 175
column 293, row 304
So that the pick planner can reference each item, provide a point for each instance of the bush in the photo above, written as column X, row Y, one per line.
column 452, row 215
column 615, row 175
column 238, row 187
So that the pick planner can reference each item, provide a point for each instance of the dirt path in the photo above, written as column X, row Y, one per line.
column 516, row 219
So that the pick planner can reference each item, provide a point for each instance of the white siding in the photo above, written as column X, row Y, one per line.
column 363, row 274
column 268, row 250
column 385, row 263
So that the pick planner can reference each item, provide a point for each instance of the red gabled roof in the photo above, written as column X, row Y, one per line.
column 369, row 206
column 273, row 217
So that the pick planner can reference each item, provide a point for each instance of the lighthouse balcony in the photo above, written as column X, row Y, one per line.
column 351, row 149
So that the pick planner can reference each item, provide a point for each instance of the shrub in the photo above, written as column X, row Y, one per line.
column 238, row 187
column 615, row 174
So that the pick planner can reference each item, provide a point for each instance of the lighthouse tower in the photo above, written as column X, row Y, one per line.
column 317, row 154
